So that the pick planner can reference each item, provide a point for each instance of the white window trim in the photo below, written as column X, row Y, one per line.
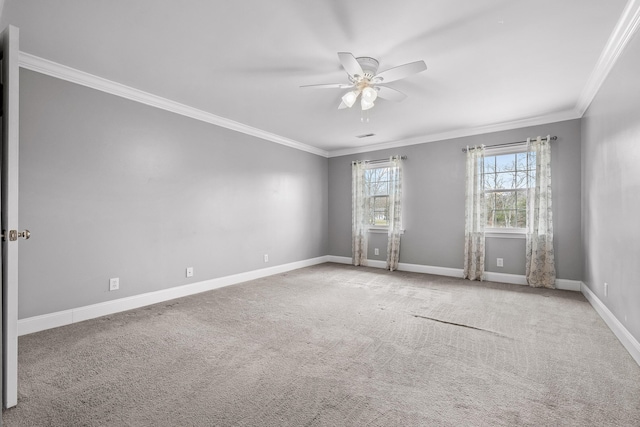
column 381, row 230
column 378, row 229
column 505, row 233
column 378, row 165
column 512, row 149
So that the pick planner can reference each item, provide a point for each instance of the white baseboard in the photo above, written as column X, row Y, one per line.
column 429, row 269
column 628, row 341
column 515, row 279
column 67, row 317
column 568, row 285
column 45, row 321
column 519, row 279
column 376, row 263
column 414, row 268
column 338, row 259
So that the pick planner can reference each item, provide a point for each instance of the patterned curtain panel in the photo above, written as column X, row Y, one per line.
column 395, row 213
column 358, row 220
column 540, row 264
column 474, row 215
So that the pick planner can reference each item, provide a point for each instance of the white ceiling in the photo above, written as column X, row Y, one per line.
column 490, row 62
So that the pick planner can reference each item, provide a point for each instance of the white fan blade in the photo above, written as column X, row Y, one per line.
column 390, row 94
column 342, row 106
column 399, row 72
column 350, row 64
column 330, row 86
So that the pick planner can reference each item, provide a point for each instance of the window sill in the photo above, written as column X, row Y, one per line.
column 380, row 230
column 500, row 233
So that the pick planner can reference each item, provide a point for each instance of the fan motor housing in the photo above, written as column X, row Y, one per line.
column 369, row 66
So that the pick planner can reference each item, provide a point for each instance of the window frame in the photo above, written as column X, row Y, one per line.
column 381, row 228
column 510, row 232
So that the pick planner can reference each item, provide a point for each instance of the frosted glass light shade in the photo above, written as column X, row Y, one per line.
column 369, row 94
column 350, row 98
column 366, row 104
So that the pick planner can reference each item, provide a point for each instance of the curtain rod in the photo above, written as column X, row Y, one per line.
column 553, row 138
column 383, row 160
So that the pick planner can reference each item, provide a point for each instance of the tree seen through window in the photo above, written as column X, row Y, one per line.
column 377, row 191
column 507, row 178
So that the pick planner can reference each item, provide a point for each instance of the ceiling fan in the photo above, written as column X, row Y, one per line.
column 366, row 83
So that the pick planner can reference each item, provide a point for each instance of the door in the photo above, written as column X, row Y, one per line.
column 10, row 93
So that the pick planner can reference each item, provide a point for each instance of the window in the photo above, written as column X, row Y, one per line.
column 376, row 202
column 507, row 178
column 377, row 193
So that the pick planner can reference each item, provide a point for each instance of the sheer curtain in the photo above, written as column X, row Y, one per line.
column 474, row 215
column 358, row 218
column 540, row 264
column 395, row 213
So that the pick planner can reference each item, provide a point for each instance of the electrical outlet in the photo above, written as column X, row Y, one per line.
column 266, row 257
column 606, row 289
column 376, row 251
column 114, row 284
column 189, row 271
column 500, row 262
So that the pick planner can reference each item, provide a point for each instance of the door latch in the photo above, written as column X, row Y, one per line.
column 13, row 235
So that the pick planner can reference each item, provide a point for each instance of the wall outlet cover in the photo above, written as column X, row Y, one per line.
column 114, row 284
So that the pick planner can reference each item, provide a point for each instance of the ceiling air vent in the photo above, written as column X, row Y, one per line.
column 366, row 135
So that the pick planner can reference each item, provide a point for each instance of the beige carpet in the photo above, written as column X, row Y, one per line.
column 335, row 345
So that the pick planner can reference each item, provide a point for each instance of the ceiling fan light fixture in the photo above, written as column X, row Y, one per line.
column 369, row 94
column 350, row 98
column 366, row 105
column 364, row 79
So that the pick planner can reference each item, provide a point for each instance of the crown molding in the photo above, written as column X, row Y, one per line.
column 53, row 69
column 516, row 124
column 622, row 33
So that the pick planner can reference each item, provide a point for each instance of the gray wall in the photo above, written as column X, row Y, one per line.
column 114, row 188
column 611, row 190
column 434, row 175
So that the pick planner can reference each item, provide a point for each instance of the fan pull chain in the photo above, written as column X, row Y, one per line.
column 364, row 116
